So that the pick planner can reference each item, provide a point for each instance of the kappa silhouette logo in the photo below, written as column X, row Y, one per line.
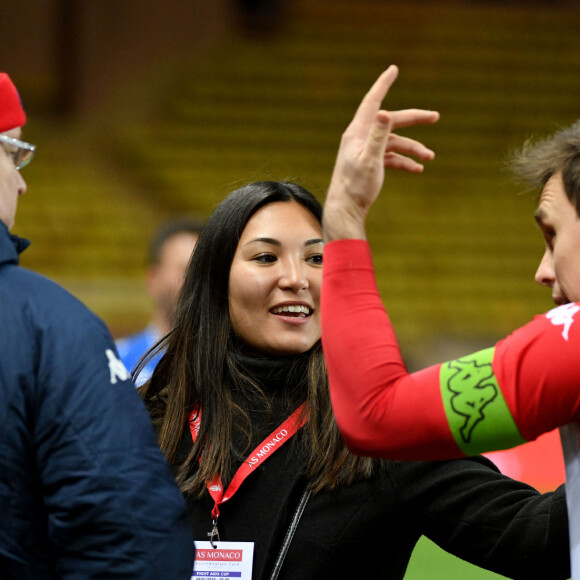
column 473, row 389
column 563, row 315
column 116, row 368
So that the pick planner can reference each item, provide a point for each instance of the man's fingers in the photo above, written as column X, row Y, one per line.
column 371, row 102
column 408, row 117
column 396, row 161
column 398, row 144
column 378, row 137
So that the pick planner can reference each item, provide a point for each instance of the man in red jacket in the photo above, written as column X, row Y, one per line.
column 525, row 385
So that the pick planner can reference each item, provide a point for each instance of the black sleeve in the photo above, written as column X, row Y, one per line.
column 472, row 511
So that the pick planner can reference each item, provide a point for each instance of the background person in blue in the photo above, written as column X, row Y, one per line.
column 169, row 252
column 84, row 490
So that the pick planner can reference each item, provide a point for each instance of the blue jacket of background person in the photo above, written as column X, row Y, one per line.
column 132, row 348
column 84, row 489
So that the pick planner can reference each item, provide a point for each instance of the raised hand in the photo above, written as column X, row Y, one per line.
column 367, row 147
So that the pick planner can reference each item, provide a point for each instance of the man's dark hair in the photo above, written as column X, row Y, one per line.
column 537, row 161
column 167, row 230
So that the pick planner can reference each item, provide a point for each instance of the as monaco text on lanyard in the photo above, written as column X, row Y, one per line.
column 217, row 559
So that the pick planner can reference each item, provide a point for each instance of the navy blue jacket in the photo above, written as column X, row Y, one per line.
column 84, row 490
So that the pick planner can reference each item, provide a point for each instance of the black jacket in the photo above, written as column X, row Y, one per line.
column 370, row 528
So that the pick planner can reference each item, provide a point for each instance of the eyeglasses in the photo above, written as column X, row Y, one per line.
column 20, row 151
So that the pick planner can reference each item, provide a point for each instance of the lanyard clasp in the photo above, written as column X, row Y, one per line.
column 214, row 535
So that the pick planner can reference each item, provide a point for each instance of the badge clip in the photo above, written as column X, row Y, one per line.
column 214, row 535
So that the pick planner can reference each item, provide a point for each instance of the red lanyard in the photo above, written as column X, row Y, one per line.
column 270, row 445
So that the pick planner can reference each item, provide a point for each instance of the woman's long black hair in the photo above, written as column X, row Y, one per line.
column 199, row 368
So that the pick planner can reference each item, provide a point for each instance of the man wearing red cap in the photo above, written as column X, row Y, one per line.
column 12, row 118
column 84, row 489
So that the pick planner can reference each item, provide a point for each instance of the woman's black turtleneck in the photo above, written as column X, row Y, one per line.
column 272, row 492
column 282, row 382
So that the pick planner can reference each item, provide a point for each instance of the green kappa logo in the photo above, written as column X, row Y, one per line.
column 473, row 387
column 477, row 413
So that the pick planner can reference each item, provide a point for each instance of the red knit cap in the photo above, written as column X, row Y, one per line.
column 12, row 114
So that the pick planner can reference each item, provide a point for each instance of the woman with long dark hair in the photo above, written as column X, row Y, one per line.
column 210, row 368
column 241, row 406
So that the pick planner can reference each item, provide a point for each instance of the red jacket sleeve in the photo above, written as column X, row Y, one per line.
column 406, row 420
column 498, row 398
column 538, row 367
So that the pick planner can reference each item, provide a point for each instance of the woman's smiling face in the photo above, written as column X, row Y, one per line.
column 275, row 279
